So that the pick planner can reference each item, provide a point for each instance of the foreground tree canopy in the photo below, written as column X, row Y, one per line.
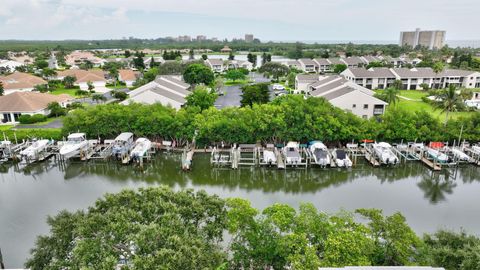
column 289, row 117
column 157, row 228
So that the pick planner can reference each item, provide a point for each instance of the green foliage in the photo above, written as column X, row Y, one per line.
column 339, row 68
column 449, row 100
column 120, row 95
column 389, row 95
column 99, row 98
column 41, row 63
column 198, row 74
column 277, row 70
column 252, row 58
column 234, row 75
column 150, row 75
column 2, row 90
column 375, row 64
column 152, row 228
column 55, row 109
column 171, row 55
column 31, row 119
column 29, row 133
column 69, row 81
column 255, row 94
column 204, row 57
column 454, row 251
column 202, row 98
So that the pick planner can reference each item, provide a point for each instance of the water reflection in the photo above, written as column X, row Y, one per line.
column 165, row 170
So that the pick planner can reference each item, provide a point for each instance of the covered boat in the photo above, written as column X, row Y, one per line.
column 341, row 158
column 269, row 156
column 385, row 153
column 123, row 145
column 142, row 146
column 76, row 142
column 292, row 153
column 436, row 155
column 320, row 154
column 460, row 155
column 32, row 151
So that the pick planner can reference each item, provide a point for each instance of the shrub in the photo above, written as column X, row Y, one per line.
column 120, row 95
column 31, row 119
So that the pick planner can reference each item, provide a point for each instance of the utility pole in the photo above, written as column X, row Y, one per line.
column 2, row 266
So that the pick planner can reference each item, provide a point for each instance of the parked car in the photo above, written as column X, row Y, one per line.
column 278, row 87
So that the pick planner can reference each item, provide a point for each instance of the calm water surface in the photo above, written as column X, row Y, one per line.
column 429, row 201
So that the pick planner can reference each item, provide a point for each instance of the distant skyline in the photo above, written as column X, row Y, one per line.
column 288, row 20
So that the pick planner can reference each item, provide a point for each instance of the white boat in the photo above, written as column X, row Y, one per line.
column 292, row 153
column 75, row 143
column 142, row 145
column 341, row 158
column 436, row 155
column 122, row 145
column 5, row 150
column 384, row 152
column 460, row 155
column 269, row 157
column 32, row 151
column 476, row 149
column 320, row 153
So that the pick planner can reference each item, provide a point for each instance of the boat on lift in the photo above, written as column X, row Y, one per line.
column 436, row 155
column 269, row 156
column 75, row 143
column 292, row 153
column 142, row 146
column 384, row 152
column 320, row 153
column 460, row 155
column 122, row 145
column 341, row 158
column 32, row 151
column 476, row 149
column 5, row 150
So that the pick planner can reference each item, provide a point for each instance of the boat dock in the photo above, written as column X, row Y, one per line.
column 370, row 156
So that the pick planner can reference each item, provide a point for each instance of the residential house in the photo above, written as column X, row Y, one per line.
column 347, row 95
column 96, row 77
column 372, row 78
column 353, row 62
column 233, row 64
column 20, row 82
column 127, row 76
column 21, row 57
column 7, row 66
column 307, row 65
column 302, row 82
column 412, row 79
column 157, row 59
column 168, row 90
column 18, row 103
column 76, row 58
column 217, row 65
column 323, row 65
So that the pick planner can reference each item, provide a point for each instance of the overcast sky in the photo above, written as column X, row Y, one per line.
column 266, row 19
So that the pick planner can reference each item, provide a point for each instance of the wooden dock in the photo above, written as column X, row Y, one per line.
column 433, row 165
column 280, row 161
column 371, row 158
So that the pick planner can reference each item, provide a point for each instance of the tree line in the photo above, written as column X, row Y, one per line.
column 286, row 118
column 158, row 228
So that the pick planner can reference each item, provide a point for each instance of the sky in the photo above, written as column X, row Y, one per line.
column 288, row 20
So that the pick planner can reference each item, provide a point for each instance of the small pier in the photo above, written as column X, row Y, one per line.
column 280, row 160
column 370, row 156
column 473, row 154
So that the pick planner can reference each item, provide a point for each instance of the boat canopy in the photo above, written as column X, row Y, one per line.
column 292, row 145
column 125, row 136
column 341, row 154
column 384, row 144
column 76, row 135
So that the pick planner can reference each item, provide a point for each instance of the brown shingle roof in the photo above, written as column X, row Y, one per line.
column 20, row 80
column 29, row 101
column 84, row 75
column 127, row 75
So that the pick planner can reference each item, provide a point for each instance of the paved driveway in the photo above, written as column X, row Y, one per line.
column 54, row 124
column 233, row 93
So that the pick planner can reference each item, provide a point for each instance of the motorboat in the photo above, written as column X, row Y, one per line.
column 75, row 143
column 292, row 153
column 436, row 155
column 341, row 158
column 476, row 149
column 142, row 145
column 5, row 150
column 32, row 151
column 460, row 155
column 384, row 152
column 320, row 153
column 123, row 145
column 269, row 156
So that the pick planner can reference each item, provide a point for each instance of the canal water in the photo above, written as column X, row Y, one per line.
column 430, row 201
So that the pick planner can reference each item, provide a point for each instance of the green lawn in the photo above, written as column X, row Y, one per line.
column 237, row 82
column 49, row 120
column 416, row 104
column 4, row 128
column 59, row 91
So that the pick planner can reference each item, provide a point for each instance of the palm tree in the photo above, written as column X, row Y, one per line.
column 113, row 72
column 391, row 95
column 438, row 68
column 448, row 100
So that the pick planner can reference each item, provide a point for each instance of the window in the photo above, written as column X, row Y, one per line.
column 365, row 106
column 364, row 116
column 354, row 106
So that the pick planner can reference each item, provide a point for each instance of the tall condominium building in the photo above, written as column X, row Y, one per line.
column 248, row 37
column 430, row 39
column 201, row 38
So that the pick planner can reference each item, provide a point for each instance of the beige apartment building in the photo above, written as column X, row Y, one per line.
column 432, row 39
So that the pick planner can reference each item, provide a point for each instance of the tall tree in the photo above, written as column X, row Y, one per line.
column 438, row 68
column 449, row 100
column 69, row 81
column 201, row 97
column 234, row 75
column 277, row 70
column 113, row 72
column 198, row 73
column 231, row 56
column 255, row 94
column 191, row 54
